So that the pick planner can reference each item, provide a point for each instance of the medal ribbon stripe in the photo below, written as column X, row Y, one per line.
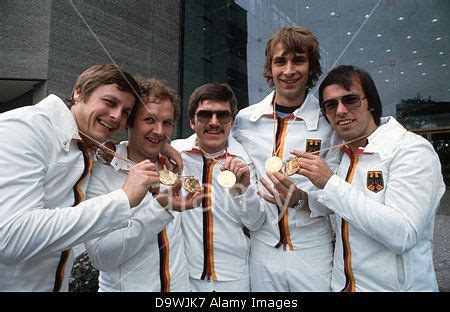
column 208, row 250
column 78, row 197
column 350, row 285
column 283, row 224
column 164, row 272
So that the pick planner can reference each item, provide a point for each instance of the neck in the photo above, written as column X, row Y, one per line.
column 211, row 150
column 138, row 157
column 296, row 101
column 357, row 144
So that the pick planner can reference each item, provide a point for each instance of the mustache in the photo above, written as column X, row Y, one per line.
column 214, row 129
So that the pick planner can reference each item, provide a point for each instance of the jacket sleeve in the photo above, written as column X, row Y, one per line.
column 28, row 227
column 113, row 249
column 332, row 158
column 249, row 205
column 413, row 191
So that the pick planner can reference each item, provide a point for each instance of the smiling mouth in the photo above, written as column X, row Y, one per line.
column 105, row 124
column 154, row 141
column 289, row 81
column 344, row 122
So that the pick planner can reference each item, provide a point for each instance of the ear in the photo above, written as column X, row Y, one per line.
column 77, row 96
column 192, row 124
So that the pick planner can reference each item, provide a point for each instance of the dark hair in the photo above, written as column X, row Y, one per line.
column 155, row 90
column 212, row 91
column 345, row 76
column 295, row 39
column 107, row 74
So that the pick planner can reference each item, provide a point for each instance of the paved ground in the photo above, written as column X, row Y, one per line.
column 442, row 251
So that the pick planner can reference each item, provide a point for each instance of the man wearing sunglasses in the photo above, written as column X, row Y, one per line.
column 216, row 246
column 385, row 192
column 292, row 251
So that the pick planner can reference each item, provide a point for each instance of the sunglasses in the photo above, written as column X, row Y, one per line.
column 205, row 116
column 350, row 101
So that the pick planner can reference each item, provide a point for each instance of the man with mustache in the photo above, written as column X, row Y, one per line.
column 148, row 254
column 293, row 250
column 45, row 164
column 385, row 192
column 216, row 246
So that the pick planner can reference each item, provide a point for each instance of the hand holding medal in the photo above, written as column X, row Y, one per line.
column 235, row 174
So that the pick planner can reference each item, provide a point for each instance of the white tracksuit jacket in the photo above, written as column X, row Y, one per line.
column 215, row 244
column 40, row 164
column 148, row 254
column 385, row 213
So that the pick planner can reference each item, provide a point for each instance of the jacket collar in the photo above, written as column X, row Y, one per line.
column 61, row 119
column 118, row 163
column 309, row 111
column 384, row 139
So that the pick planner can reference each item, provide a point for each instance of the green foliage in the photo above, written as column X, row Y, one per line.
column 414, row 113
column 84, row 276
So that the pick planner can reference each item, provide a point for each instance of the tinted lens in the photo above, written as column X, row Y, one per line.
column 205, row 116
column 330, row 105
column 351, row 100
column 224, row 116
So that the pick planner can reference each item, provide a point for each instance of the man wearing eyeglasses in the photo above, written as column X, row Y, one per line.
column 293, row 249
column 216, row 246
column 385, row 192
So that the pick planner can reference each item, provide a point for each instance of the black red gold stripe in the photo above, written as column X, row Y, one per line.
column 208, row 229
column 78, row 197
column 164, row 272
column 350, row 285
column 283, row 224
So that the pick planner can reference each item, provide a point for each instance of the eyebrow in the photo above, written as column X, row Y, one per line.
column 110, row 98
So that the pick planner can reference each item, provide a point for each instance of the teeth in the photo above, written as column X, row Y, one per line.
column 346, row 122
column 153, row 140
column 105, row 124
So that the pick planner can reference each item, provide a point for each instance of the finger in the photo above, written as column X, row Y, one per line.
column 176, row 187
column 283, row 179
column 273, row 178
column 226, row 165
column 168, row 164
column 267, row 198
column 302, row 154
column 242, row 171
column 266, row 185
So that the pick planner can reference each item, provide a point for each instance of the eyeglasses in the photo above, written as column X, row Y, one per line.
column 205, row 116
column 350, row 101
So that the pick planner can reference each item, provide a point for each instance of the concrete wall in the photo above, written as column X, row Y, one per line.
column 57, row 40
column 24, row 39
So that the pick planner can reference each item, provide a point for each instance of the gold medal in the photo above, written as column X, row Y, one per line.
column 292, row 165
column 191, row 184
column 226, row 179
column 273, row 164
column 167, row 177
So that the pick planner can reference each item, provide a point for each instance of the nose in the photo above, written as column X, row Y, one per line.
column 289, row 69
column 115, row 112
column 341, row 109
column 158, row 128
column 214, row 120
